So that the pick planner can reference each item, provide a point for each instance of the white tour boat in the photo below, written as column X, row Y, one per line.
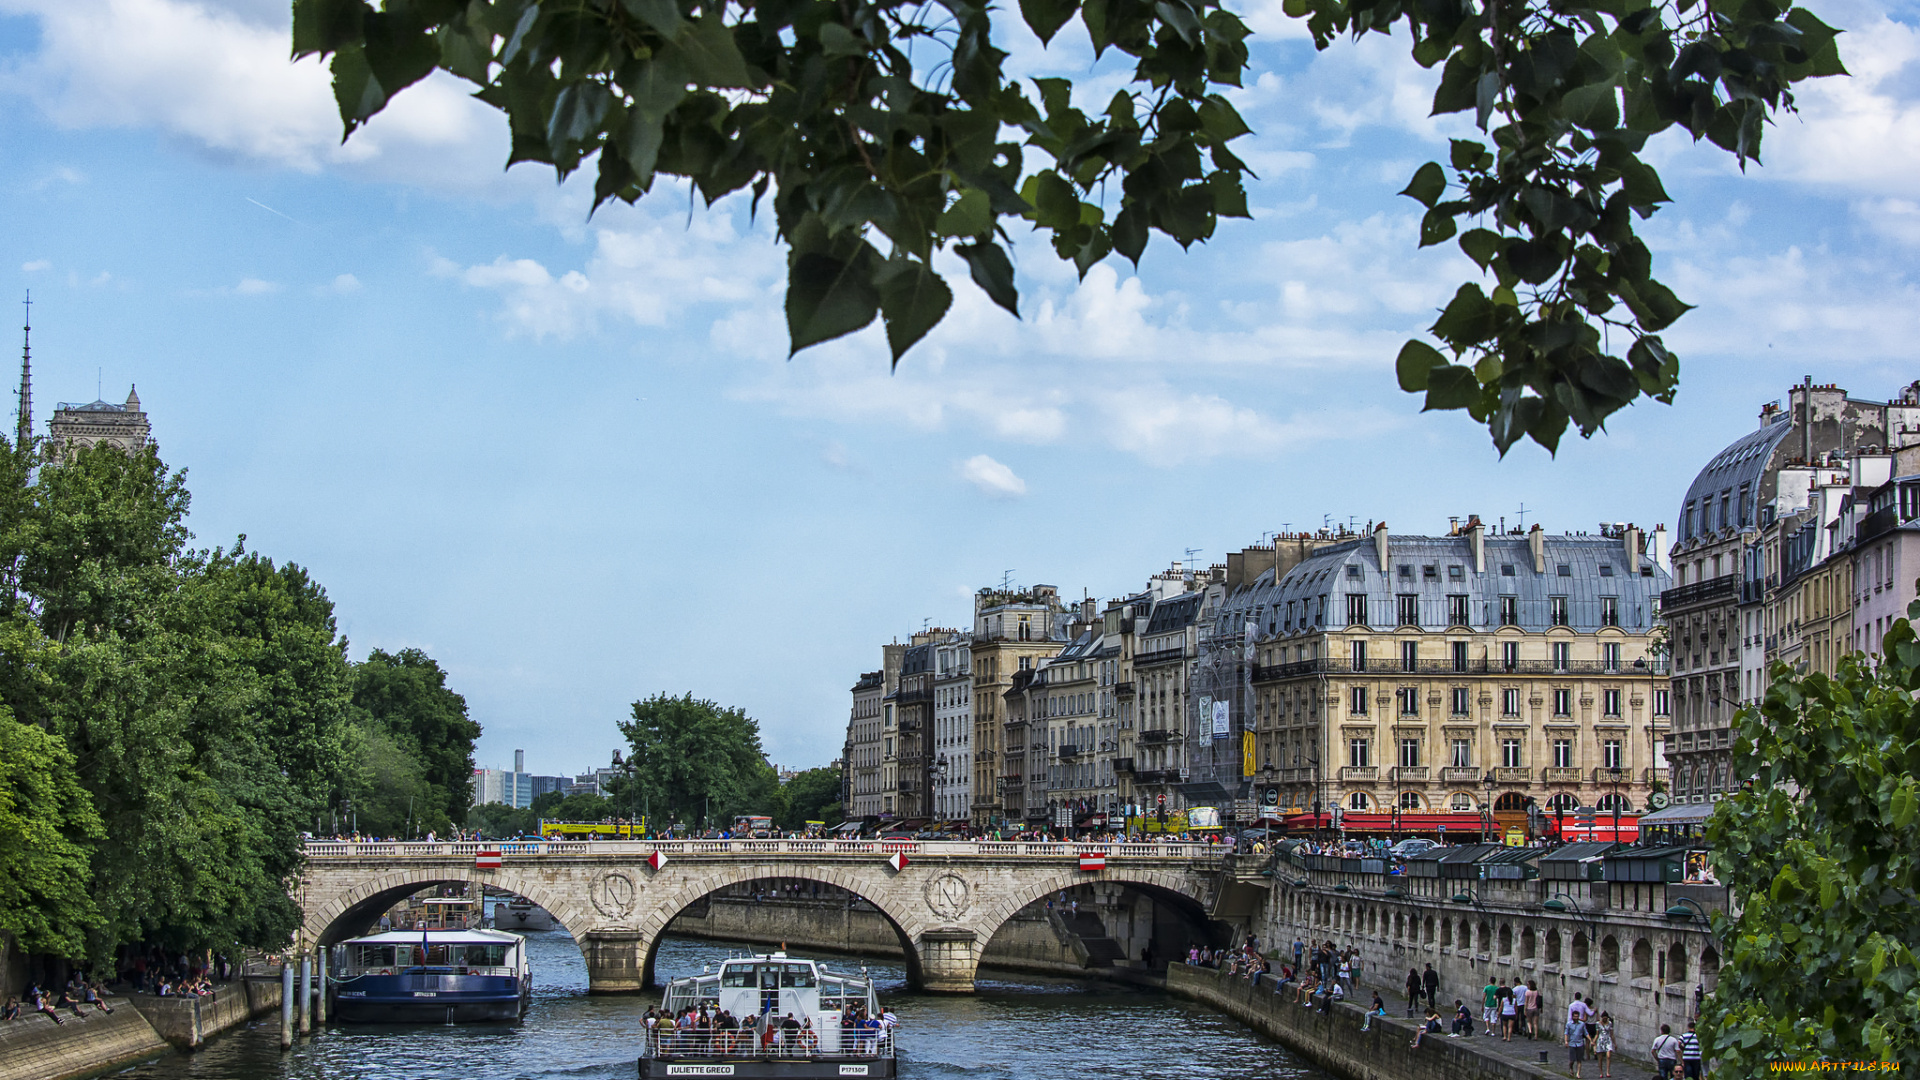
column 771, row 1015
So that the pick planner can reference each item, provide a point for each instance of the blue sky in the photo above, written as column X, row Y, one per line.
column 570, row 459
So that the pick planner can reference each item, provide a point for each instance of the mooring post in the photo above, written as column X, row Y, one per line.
column 320, row 977
column 306, row 992
column 286, row 1003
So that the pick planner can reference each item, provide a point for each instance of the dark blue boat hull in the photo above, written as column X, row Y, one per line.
column 414, row 998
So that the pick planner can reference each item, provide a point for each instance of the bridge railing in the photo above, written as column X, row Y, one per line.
column 827, row 849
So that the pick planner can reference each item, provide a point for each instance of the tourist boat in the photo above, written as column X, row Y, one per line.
column 431, row 976
column 521, row 914
column 762, row 991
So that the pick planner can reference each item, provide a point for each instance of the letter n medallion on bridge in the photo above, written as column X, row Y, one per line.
column 945, row 904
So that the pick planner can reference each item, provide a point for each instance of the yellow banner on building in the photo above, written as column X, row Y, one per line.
column 1246, row 753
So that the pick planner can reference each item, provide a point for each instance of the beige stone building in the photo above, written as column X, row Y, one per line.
column 1013, row 630
column 76, row 426
column 1465, row 672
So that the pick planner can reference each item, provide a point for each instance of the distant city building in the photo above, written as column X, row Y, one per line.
column 517, row 787
column 76, row 426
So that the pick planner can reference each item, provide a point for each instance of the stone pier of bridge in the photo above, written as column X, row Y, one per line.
column 944, row 899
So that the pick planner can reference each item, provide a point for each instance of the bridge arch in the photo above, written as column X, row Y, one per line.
column 348, row 913
column 666, row 906
column 1170, row 887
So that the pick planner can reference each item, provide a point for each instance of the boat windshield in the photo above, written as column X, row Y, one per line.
column 469, row 955
column 768, row 976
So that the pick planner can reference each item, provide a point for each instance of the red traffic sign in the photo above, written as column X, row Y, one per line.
column 486, row 860
column 1093, row 861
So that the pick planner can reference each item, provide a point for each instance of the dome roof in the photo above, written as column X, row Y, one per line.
column 1743, row 463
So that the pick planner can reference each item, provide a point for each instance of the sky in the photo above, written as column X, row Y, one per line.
column 568, row 456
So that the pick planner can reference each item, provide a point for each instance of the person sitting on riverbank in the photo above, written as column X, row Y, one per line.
column 11, row 1010
column 71, row 1000
column 1462, row 1019
column 1377, row 1009
column 1430, row 1027
column 40, row 1003
column 1308, row 985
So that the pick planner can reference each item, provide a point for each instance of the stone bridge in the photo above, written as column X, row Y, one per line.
column 617, row 897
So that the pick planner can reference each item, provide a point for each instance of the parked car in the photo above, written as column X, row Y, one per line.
column 1412, row 845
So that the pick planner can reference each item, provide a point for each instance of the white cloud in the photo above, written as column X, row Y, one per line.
column 255, row 287
column 992, row 477
column 36, row 265
column 345, row 285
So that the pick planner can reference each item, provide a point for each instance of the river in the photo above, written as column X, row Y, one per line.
column 1015, row 1028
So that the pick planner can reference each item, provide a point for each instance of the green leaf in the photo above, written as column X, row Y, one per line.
column 829, row 297
column 577, row 114
column 1220, row 120
column 1595, row 107
column 993, row 271
column 657, row 86
column 1902, row 805
column 325, row 26
column 1229, row 198
column 1046, row 17
column 970, row 215
column 711, row 57
column 1452, row 387
column 662, row 15
column 837, row 40
column 1416, row 360
column 1436, row 226
column 1481, row 245
column 913, row 299
column 1467, row 154
column 1428, row 184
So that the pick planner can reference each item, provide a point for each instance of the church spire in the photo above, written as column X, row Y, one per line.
column 23, row 432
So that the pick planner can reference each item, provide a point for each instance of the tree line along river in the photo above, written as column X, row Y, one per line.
column 1016, row 1027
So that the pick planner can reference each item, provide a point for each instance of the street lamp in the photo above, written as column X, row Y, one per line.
column 1486, row 809
column 1615, row 771
column 1678, row 912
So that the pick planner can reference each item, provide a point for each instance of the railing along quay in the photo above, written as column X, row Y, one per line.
column 693, row 849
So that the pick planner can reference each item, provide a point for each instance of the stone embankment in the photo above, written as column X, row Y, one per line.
column 139, row 1028
column 1333, row 1039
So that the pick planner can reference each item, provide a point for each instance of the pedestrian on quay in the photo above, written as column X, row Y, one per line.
column 1506, row 1013
column 1413, row 989
column 1666, row 1053
column 1519, row 1005
column 1490, row 1005
column 1533, row 1009
column 1575, row 1039
column 1690, row 1053
column 1431, row 980
column 1602, row 1033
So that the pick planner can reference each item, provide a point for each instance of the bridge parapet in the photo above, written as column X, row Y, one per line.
column 1208, row 854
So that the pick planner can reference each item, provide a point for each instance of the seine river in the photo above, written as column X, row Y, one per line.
column 1015, row 1028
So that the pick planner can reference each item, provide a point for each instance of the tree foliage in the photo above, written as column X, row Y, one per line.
column 813, row 795
column 1822, row 856
column 46, row 824
column 406, row 695
column 877, row 125
column 697, row 763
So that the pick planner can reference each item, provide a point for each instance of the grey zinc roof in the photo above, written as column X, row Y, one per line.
column 917, row 661
column 1326, row 573
column 1175, row 614
column 1742, row 462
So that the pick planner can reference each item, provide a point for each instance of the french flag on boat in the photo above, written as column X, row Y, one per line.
column 1093, row 860
column 486, row 860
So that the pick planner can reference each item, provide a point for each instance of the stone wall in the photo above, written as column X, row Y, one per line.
column 35, row 1048
column 187, row 1022
column 1333, row 1040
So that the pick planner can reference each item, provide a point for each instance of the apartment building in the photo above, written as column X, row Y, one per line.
column 952, row 768
column 1013, row 629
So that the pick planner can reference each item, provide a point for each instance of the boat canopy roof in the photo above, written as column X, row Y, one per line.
column 438, row 937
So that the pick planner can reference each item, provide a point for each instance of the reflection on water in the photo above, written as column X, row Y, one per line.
column 1016, row 1028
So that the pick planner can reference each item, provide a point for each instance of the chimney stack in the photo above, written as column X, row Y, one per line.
column 1477, row 539
column 1633, row 538
column 1537, row 543
column 1380, row 545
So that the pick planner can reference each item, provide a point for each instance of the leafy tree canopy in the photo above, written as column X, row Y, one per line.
column 696, row 762
column 813, row 795
column 877, row 125
column 46, row 822
column 406, row 693
column 1822, row 854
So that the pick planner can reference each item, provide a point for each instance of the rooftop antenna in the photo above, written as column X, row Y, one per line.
column 1006, row 580
column 1523, row 517
column 23, row 431
column 1191, row 552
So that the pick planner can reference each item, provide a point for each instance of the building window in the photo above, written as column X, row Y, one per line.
column 1557, row 610
column 1409, row 701
column 1459, row 650
column 1460, row 699
column 1606, row 569
column 1563, row 753
column 1356, row 609
column 1563, row 702
column 1510, row 702
column 1510, row 654
column 1610, row 703
column 1662, row 703
column 1358, row 707
column 1409, row 800
column 1409, row 610
column 1359, row 656
column 1462, row 801
column 1509, row 610
column 1562, row 656
column 1610, row 656
column 1609, row 611
column 1410, row 753
column 1406, row 571
column 1506, row 569
column 1510, row 753
column 1357, row 801
column 1610, row 756
column 1353, row 572
column 1456, row 572
column 1409, row 656
column 1359, row 753
column 1566, row 570
column 1462, row 753
column 1457, row 613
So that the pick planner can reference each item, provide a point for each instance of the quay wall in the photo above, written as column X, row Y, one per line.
column 1027, row 942
column 186, row 1023
column 35, row 1048
column 1333, row 1040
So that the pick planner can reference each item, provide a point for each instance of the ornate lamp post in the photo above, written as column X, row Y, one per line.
column 1486, row 809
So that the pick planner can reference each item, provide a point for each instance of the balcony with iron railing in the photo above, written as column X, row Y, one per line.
column 1160, row 656
column 1156, row 736
column 1725, row 587
column 1068, row 750
column 1481, row 666
column 1123, row 688
column 1123, row 765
